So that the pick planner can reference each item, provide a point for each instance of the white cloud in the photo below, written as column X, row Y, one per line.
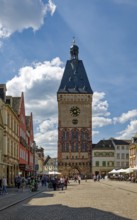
column 30, row 76
column 100, row 111
column 95, row 133
column 125, row 116
column 47, row 138
column 100, row 106
column 48, row 125
column 101, row 122
column 18, row 15
column 129, row 132
column 51, row 7
column 40, row 83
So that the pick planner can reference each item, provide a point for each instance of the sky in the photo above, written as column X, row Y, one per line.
column 35, row 40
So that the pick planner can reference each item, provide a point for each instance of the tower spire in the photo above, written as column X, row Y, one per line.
column 74, row 50
column 73, row 41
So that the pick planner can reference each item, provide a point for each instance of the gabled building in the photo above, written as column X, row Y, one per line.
column 10, row 155
column 30, row 142
column 16, row 137
column 50, row 165
column 25, row 134
column 103, row 157
column 40, row 153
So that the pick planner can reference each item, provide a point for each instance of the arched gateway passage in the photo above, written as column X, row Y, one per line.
column 74, row 171
column 71, row 171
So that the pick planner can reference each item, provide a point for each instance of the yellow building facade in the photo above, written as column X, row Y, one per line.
column 2, row 165
column 11, row 143
column 133, row 152
column 9, row 138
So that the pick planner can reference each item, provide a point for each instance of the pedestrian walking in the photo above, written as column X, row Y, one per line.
column 62, row 180
column 18, row 182
column 79, row 179
column 75, row 178
column 23, row 183
column 66, row 182
column 98, row 177
column 54, row 183
column 4, row 185
column 95, row 178
column 85, row 178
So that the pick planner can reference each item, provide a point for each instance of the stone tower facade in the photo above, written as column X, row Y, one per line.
column 74, row 118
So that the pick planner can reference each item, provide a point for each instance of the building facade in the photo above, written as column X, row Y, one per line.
column 2, row 164
column 121, row 153
column 16, row 137
column 74, row 118
column 40, row 153
column 103, row 157
column 10, row 155
column 50, row 165
column 133, row 152
column 26, row 151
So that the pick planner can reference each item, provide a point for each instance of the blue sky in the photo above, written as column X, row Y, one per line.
column 35, row 38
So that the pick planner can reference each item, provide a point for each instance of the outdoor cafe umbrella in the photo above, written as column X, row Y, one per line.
column 54, row 173
column 121, row 171
column 135, row 168
column 129, row 170
column 51, row 173
column 113, row 171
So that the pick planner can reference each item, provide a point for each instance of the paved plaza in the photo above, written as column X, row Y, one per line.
column 104, row 200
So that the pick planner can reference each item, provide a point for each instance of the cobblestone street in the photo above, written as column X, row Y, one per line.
column 104, row 200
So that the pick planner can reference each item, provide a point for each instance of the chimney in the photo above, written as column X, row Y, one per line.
column 3, row 92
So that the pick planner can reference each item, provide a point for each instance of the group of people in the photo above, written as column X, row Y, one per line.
column 54, row 181
column 57, row 182
column 3, row 185
column 21, row 183
column 96, row 177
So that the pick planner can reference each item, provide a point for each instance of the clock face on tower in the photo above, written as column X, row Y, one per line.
column 74, row 111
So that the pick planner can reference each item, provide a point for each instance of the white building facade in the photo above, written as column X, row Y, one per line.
column 121, row 153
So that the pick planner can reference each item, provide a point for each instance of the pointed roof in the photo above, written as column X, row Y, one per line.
column 104, row 145
column 29, row 125
column 75, row 79
column 16, row 104
column 47, row 159
column 121, row 141
column 28, row 118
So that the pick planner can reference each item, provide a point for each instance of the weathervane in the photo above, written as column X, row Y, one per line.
column 74, row 41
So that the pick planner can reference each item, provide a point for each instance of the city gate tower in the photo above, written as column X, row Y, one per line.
column 74, row 98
